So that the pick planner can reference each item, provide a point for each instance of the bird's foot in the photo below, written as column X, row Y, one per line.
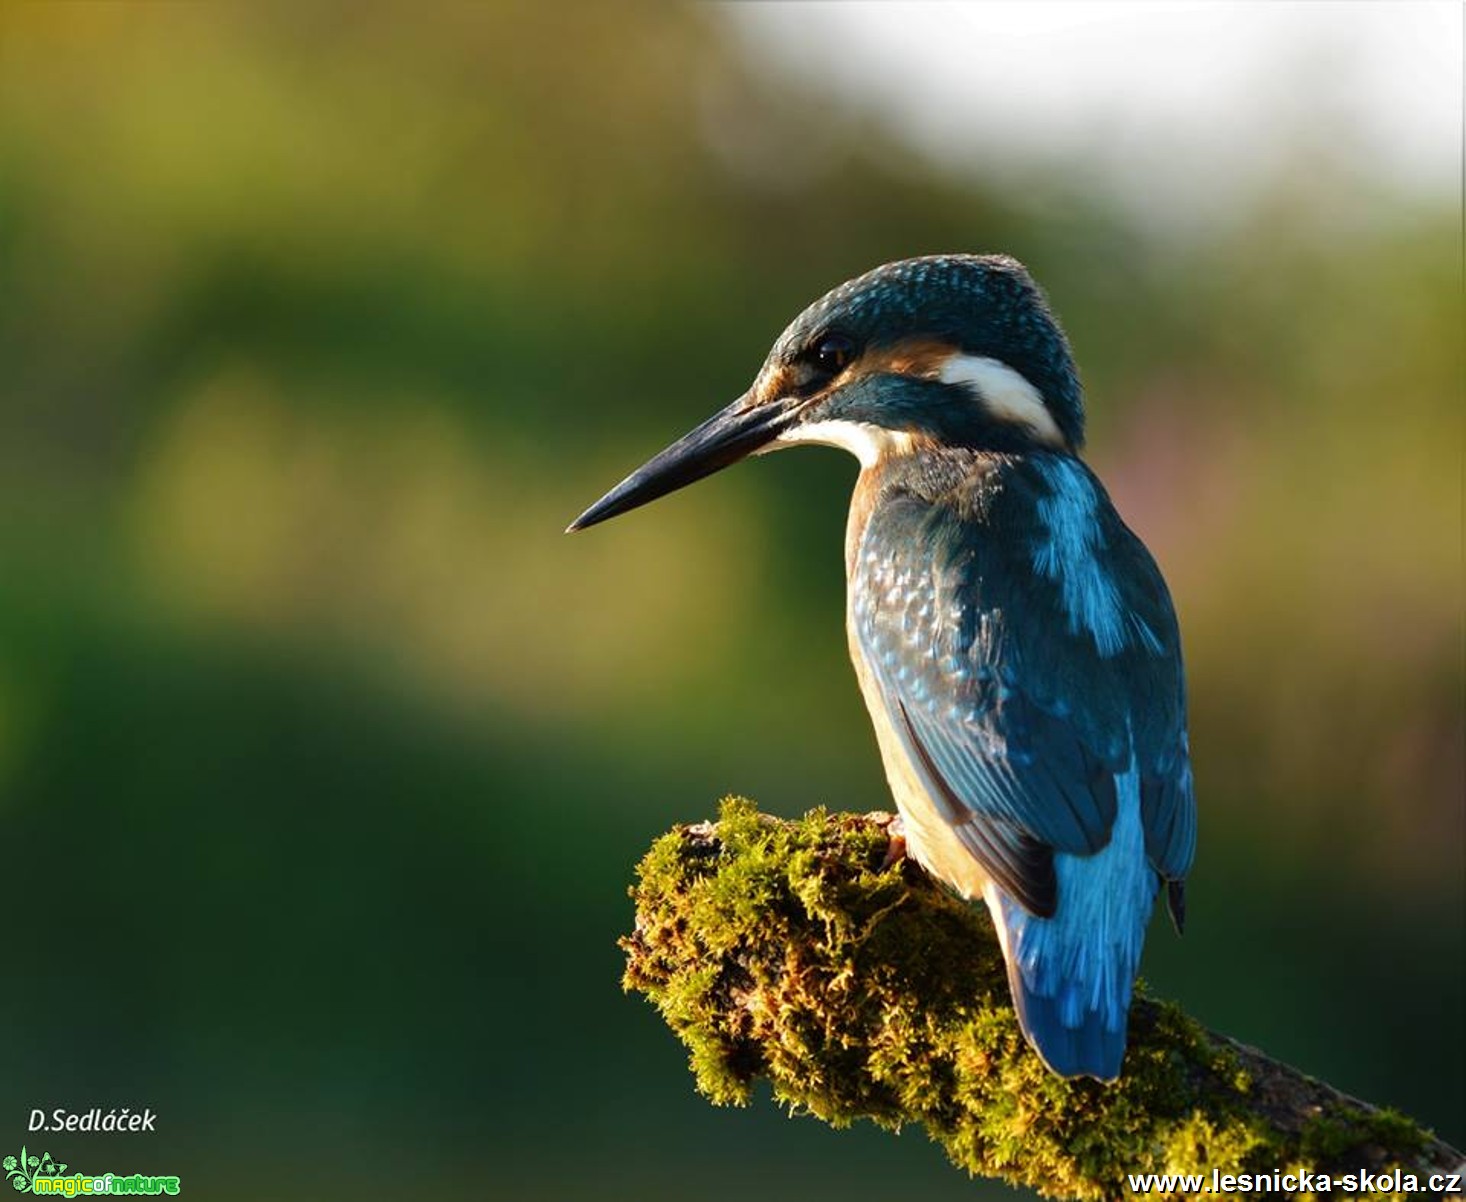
column 896, row 848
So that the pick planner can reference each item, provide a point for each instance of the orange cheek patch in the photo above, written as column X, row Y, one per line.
column 924, row 358
column 918, row 357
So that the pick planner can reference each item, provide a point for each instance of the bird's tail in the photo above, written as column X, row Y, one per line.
column 1071, row 974
column 1071, row 987
column 1059, row 1016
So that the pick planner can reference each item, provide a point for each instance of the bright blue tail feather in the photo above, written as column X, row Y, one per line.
column 1090, row 1049
column 1071, row 975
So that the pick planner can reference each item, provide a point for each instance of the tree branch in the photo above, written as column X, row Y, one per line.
column 790, row 951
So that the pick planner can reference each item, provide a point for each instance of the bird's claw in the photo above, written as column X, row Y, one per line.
column 896, row 847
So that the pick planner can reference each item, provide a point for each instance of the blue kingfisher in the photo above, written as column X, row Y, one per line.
column 1014, row 641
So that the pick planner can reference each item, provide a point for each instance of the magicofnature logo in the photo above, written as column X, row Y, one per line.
column 42, row 1175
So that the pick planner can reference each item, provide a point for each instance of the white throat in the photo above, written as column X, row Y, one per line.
column 867, row 442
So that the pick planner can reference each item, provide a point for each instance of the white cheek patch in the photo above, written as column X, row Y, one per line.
column 1004, row 393
column 868, row 443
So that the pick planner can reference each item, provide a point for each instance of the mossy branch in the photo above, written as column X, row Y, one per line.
column 793, row 952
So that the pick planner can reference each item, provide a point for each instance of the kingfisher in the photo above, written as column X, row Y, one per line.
column 1014, row 641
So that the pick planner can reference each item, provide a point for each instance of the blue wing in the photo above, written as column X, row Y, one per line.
column 1026, row 648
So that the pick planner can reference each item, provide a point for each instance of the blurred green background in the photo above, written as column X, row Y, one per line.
column 325, row 759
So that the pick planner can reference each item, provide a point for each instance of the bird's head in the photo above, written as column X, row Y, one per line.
column 949, row 350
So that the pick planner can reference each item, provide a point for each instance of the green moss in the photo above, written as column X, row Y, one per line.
column 790, row 951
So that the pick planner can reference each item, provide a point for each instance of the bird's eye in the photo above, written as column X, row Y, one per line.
column 833, row 353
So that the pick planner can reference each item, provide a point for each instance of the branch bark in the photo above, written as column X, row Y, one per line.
column 793, row 952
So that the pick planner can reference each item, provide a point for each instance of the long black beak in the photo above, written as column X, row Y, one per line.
column 732, row 434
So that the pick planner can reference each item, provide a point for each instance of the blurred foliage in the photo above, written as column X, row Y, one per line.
column 324, row 758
